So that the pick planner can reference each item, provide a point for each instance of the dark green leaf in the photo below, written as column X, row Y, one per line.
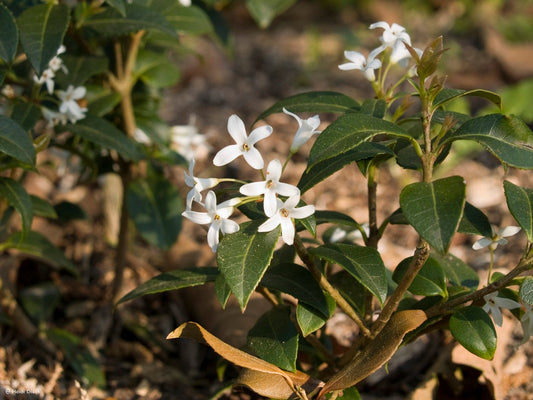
column 435, row 209
column 244, row 256
column 19, row 199
column 350, row 289
column 520, row 203
column 447, row 95
column 309, row 319
column 274, row 338
column 334, row 217
column 173, row 280
column 363, row 263
column 119, row 5
column 25, row 114
column 430, row 280
column 105, row 134
column 40, row 300
column 155, row 69
column 347, row 132
column 507, row 137
column 9, row 35
column 15, row 141
column 473, row 328
column 155, row 206
column 298, row 282
column 42, row 28
column 457, row 271
column 316, row 102
column 222, row 290
column 474, row 222
column 42, row 208
column 68, row 211
column 375, row 107
column 263, row 12
column 191, row 20
column 80, row 69
column 526, row 290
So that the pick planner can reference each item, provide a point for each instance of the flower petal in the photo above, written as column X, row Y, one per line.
column 253, row 189
column 274, row 170
column 212, row 237
column 229, row 226
column 296, row 117
column 197, row 217
column 270, row 224
column 253, row 158
column 509, row 231
column 481, row 243
column 211, row 202
column 286, row 189
column 259, row 133
column 236, row 129
column 287, row 231
column 302, row 212
column 270, row 203
column 227, row 155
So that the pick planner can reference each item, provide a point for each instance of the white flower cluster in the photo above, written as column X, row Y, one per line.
column 279, row 212
column 393, row 39
column 70, row 109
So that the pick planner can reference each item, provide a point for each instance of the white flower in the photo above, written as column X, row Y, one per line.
column 56, row 63
column 527, row 322
column 47, row 77
column 285, row 211
column 494, row 303
column 197, row 185
column 244, row 144
column 306, row 129
column 185, row 3
column 497, row 238
column 186, row 140
column 216, row 216
column 54, row 118
column 270, row 187
column 141, row 137
column 365, row 65
column 340, row 234
column 394, row 37
column 69, row 105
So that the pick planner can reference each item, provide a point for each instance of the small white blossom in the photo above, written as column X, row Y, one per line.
column 244, row 144
column 365, row 65
column 141, row 137
column 185, row 3
column 493, row 303
column 497, row 238
column 285, row 212
column 306, row 129
column 217, row 216
column 69, row 104
column 47, row 77
column 197, row 185
column 527, row 321
column 394, row 36
column 56, row 63
column 186, row 140
column 340, row 234
column 54, row 118
column 270, row 188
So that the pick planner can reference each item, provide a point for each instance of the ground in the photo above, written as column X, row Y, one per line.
column 299, row 52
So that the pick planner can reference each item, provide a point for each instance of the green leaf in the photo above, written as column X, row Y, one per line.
column 324, row 169
column 363, row 263
column 350, row 289
column 105, row 134
column 68, row 211
column 25, row 114
column 274, row 338
column 317, row 102
column 507, row 137
column 9, row 35
column 19, row 199
column 526, row 290
column 447, row 95
column 473, row 328
column 457, row 271
column 263, row 12
column 430, row 280
column 119, row 5
column 155, row 69
column 309, row 319
column 192, row 20
column 35, row 244
column 346, row 133
column 155, row 206
column 42, row 28
column 42, row 208
column 435, row 209
column 520, row 203
column 243, row 258
column 15, row 141
column 110, row 23
column 474, row 222
column 173, row 280
column 80, row 69
column 40, row 300
column 298, row 282
column 334, row 217
column 375, row 107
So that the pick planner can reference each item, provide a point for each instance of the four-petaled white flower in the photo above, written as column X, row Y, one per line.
column 493, row 303
column 56, row 63
column 285, row 212
column 69, row 105
column 244, row 144
column 527, row 321
column 306, row 129
column 47, row 77
column 197, row 184
column 217, row 216
column 365, row 65
column 393, row 36
column 186, row 140
column 497, row 238
column 54, row 118
column 270, row 187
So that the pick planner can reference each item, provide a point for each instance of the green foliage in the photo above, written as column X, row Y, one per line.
column 473, row 328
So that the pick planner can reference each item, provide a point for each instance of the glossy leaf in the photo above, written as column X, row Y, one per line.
column 243, row 258
column 105, row 134
column 473, row 328
column 375, row 107
column 313, row 102
column 363, row 263
column 474, row 222
column 190, row 20
column 430, row 280
column 520, row 203
column 448, row 95
column 173, row 280
column 298, row 282
column 435, row 209
column 309, row 319
column 526, row 290
column 507, row 137
column 9, row 35
column 17, row 197
column 346, row 133
column 26, row 114
column 80, row 69
column 42, row 28
column 119, row 5
column 334, row 217
column 457, row 271
column 263, row 12
column 155, row 206
column 274, row 338
column 15, row 141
